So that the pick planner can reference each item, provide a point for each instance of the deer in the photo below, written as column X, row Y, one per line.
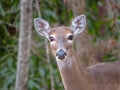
column 75, row 75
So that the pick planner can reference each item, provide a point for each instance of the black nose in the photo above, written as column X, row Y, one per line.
column 61, row 54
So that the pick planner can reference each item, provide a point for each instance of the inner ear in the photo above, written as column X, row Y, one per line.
column 42, row 26
column 78, row 24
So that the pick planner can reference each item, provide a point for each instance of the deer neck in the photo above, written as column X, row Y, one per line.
column 74, row 76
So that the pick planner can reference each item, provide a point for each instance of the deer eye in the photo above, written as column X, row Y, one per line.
column 51, row 39
column 70, row 37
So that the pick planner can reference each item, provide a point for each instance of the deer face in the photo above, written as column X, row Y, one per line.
column 60, row 38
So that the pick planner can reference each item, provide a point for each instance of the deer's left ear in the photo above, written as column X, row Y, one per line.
column 78, row 24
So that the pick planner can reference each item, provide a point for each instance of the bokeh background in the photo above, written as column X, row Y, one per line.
column 99, row 43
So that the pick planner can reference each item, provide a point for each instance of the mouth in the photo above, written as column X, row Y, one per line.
column 61, row 58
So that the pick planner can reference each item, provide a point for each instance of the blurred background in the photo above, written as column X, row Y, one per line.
column 99, row 43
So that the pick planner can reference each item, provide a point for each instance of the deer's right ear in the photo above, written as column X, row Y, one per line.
column 42, row 26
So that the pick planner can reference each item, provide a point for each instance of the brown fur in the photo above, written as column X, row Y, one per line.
column 102, row 76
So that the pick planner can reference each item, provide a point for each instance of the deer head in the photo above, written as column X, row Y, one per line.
column 61, row 38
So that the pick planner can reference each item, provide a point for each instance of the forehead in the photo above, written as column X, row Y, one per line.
column 60, row 31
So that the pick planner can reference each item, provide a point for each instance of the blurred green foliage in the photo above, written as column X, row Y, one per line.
column 99, row 22
column 55, row 12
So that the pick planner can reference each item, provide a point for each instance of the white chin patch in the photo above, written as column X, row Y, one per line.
column 66, row 63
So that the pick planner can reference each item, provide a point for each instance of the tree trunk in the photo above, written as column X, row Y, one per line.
column 24, row 45
column 78, row 7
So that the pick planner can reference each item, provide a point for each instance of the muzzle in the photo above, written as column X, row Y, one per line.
column 61, row 54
